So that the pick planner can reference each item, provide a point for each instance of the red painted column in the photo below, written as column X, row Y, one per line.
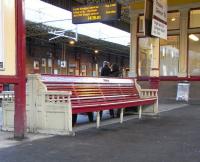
column 20, row 87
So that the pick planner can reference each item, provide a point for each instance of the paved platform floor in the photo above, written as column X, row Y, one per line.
column 171, row 136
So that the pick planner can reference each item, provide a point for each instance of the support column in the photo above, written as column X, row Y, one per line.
column 183, row 43
column 133, row 44
column 155, row 63
column 20, row 87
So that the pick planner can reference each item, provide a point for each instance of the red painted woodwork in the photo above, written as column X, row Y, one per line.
column 1, row 87
column 20, row 91
column 154, row 82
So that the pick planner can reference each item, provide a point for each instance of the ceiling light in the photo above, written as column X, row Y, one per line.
column 173, row 19
column 96, row 51
column 71, row 42
column 193, row 37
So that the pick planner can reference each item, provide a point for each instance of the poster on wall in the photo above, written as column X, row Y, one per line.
column 55, row 71
column 63, row 64
column 44, row 62
column 49, row 63
column 36, row 65
column 159, row 20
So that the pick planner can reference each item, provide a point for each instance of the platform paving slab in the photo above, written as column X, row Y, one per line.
column 171, row 136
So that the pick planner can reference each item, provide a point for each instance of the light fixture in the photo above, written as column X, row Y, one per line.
column 72, row 42
column 96, row 51
column 173, row 19
column 193, row 37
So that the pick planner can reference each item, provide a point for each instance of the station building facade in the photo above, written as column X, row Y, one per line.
column 178, row 57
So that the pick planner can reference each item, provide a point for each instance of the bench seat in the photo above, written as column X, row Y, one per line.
column 90, row 94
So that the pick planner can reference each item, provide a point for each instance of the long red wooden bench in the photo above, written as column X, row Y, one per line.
column 92, row 94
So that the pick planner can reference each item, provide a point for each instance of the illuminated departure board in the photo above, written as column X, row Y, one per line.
column 96, row 13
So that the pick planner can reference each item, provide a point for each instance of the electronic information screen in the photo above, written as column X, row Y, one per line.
column 96, row 13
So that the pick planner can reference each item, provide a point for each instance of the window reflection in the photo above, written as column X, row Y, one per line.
column 173, row 20
column 194, row 55
column 194, row 18
column 145, row 56
column 169, row 56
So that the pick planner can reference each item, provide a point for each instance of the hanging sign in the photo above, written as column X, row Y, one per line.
column 159, row 21
column 96, row 13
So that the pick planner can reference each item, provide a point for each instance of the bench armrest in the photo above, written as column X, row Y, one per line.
column 148, row 93
column 57, row 96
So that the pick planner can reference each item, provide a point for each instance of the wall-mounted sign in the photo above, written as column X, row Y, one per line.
column 159, row 21
column 63, row 64
column 96, row 13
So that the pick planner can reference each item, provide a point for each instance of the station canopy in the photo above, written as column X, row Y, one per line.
column 44, row 13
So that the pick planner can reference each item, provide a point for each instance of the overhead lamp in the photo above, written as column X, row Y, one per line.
column 194, row 37
column 71, row 42
column 96, row 51
column 173, row 19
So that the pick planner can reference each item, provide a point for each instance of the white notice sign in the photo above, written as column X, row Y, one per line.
column 159, row 29
column 1, row 38
column 160, row 9
column 159, row 21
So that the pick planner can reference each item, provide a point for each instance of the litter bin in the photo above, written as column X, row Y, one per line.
column 183, row 91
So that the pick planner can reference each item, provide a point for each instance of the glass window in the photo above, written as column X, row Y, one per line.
column 169, row 56
column 173, row 20
column 194, row 55
column 145, row 56
column 194, row 18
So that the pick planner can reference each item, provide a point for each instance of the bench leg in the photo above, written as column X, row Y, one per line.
column 98, row 119
column 140, row 112
column 121, row 115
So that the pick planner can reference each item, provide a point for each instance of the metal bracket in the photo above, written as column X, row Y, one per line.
column 62, row 33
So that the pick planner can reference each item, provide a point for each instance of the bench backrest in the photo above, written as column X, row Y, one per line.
column 92, row 87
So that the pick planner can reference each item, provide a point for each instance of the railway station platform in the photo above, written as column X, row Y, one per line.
column 173, row 136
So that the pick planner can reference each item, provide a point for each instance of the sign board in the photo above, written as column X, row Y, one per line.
column 7, row 38
column 159, row 21
column 183, row 92
column 96, row 13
